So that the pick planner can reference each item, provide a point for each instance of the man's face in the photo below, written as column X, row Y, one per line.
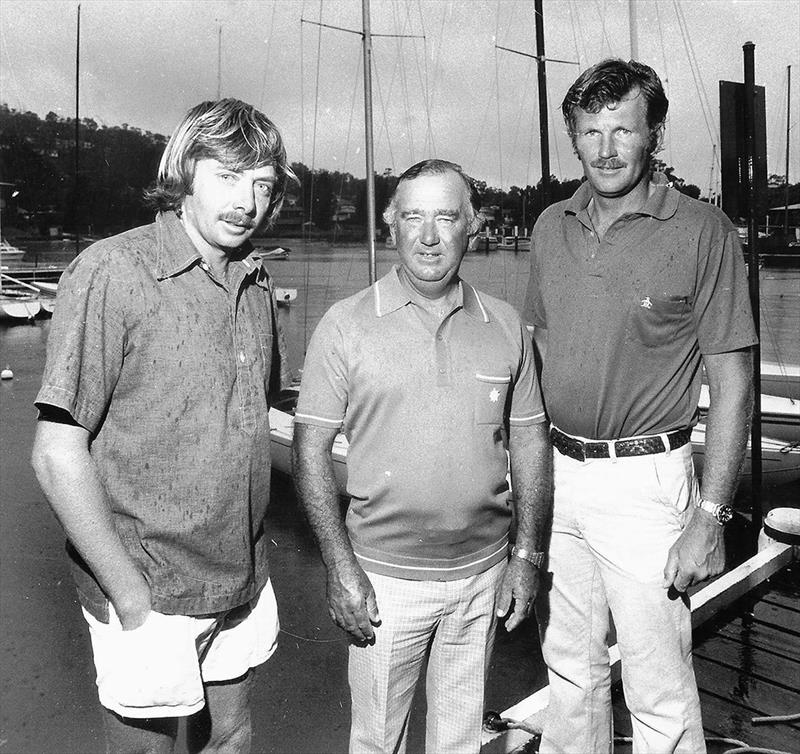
column 226, row 206
column 613, row 146
column 431, row 230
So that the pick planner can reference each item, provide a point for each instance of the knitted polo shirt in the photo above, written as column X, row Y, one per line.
column 424, row 409
column 628, row 317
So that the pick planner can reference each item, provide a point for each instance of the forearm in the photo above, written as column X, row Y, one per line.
column 69, row 479
column 532, row 482
column 727, row 424
column 318, row 493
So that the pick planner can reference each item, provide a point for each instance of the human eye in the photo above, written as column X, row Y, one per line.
column 264, row 188
column 227, row 177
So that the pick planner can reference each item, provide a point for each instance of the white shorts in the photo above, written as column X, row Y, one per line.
column 158, row 669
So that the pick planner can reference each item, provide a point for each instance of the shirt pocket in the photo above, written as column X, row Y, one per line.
column 491, row 391
column 656, row 320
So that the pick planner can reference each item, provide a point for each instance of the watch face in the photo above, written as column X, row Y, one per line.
column 724, row 514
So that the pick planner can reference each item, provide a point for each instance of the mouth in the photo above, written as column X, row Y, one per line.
column 238, row 222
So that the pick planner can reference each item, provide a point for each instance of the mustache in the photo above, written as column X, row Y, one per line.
column 608, row 164
column 237, row 218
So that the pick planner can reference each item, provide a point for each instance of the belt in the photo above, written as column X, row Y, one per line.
column 580, row 450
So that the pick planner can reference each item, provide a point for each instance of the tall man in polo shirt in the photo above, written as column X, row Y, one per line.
column 633, row 288
column 153, row 440
column 425, row 376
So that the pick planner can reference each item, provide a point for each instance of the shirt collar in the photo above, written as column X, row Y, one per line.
column 391, row 295
column 176, row 253
column 661, row 204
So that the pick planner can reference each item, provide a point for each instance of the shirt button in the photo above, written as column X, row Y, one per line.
column 242, row 357
column 204, row 266
column 442, row 370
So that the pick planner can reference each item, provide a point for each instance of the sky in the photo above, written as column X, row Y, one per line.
column 443, row 90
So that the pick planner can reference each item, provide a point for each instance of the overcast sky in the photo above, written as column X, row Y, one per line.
column 452, row 95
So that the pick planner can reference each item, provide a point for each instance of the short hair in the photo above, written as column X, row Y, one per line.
column 229, row 131
column 610, row 81
column 437, row 167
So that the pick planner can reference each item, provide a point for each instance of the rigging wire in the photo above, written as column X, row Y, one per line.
column 665, row 79
column 10, row 69
column 429, row 140
column 316, row 111
column 602, row 13
column 375, row 69
column 705, row 108
column 573, row 22
column 497, row 98
column 266, row 58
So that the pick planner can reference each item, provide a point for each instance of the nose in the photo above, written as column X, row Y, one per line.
column 608, row 146
column 429, row 235
column 245, row 199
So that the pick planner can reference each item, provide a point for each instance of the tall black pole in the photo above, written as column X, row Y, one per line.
column 752, row 242
column 544, row 142
column 76, row 182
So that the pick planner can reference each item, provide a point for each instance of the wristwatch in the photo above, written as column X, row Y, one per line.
column 536, row 559
column 722, row 513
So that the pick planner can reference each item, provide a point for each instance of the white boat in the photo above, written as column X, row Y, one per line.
column 281, row 423
column 780, row 459
column 9, row 254
column 285, row 296
column 19, row 307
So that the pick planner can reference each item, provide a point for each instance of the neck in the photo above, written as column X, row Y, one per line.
column 216, row 258
column 605, row 210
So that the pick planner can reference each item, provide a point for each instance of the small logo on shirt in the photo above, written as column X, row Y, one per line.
column 646, row 303
column 494, row 395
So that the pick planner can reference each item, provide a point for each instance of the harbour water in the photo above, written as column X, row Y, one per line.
column 301, row 700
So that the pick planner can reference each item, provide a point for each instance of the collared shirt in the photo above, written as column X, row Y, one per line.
column 629, row 316
column 423, row 403
column 169, row 370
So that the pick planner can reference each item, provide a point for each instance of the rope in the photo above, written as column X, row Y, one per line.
column 665, row 80
column 316, row 110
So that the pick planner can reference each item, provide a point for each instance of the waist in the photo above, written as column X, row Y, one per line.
column 582, row 449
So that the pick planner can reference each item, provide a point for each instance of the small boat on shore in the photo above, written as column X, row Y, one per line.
column 273, row 252
column 515, row 243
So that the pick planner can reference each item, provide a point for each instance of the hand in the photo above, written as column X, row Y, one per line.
column 351, row 600
column 697, row 555
column 135, row 605
column 521, row 584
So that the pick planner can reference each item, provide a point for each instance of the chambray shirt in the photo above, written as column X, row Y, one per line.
column 628, row 317
column 169, row 369
column 424, row 405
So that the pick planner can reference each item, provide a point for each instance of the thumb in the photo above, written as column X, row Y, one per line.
column 670, row 570
column 503, row 601
column 372, row 608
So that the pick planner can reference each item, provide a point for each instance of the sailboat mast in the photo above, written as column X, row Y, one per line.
column 367, row 41
column 75, row 196
column 632, row 28
column 786, row 186
column 544, row 141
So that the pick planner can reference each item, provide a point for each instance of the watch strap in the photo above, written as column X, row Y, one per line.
column 536, row 559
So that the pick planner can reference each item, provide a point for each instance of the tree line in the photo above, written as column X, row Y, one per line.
column 100, row 190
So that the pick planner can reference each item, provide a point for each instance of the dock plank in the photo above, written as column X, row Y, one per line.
column 768, row 638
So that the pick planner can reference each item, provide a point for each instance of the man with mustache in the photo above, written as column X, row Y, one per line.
column 634, row 289
column 153, row 438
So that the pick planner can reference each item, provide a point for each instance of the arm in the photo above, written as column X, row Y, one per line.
column 351, row 599
column 699, row 552
column 68, row 477
column 532, row 476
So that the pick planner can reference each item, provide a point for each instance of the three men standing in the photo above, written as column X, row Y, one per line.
column 634, row 289
column 425, row 375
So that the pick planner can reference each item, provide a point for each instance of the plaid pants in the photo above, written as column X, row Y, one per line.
column 449, row 623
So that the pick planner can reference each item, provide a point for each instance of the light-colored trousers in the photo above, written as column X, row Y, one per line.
column 449, row 623
column 614, row 522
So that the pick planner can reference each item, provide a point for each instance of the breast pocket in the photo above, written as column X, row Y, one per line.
column 491, row 392
column 655, row 320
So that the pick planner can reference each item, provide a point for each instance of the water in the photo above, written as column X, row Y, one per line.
column 48, row 702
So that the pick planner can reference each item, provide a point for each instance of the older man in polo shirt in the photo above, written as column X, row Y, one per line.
column 427, row 377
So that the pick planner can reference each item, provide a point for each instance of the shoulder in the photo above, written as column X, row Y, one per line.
column 500, row 312
column 702, row 214
column 551, row 217
column 125, row 250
